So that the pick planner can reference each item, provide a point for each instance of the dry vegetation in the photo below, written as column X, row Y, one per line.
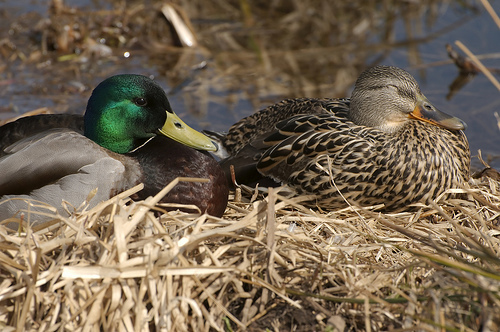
column 269, row 263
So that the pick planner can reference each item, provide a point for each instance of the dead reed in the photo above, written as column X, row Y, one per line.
column 268, row 264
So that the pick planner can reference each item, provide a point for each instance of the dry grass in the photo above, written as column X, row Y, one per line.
column 270, row 264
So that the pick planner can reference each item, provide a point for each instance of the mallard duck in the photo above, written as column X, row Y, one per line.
column 387, row 144
column 128, row 135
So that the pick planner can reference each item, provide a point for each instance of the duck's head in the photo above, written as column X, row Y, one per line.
column 124, row 111
column 386, row 98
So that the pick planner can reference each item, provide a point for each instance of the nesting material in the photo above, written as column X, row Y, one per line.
column 268, row 264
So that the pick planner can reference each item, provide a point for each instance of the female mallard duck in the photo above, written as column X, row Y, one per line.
column 387, row 144
column 131, row 135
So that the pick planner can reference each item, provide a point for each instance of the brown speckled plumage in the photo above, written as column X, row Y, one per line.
column 380, row 154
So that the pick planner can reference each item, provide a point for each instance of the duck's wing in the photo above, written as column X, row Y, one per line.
column 31, row 125
column 253, row 129
column 61, row 165
column 248, row 139
column 44, row 158
column 299, row 141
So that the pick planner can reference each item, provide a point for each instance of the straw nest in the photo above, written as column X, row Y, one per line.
column 268, row 264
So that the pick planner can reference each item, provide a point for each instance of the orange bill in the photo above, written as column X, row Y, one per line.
column 425, row 111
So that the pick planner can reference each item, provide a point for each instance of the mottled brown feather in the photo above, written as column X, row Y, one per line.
column 316, row 148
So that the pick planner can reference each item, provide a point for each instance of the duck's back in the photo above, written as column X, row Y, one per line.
column 254, row 129
column 246, row 141
column 28, row 126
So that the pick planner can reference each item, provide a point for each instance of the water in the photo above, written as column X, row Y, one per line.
column 245, row 65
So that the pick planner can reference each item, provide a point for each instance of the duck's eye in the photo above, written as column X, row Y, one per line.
column 140, row 102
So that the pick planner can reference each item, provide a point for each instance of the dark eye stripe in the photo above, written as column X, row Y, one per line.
column 406, row 93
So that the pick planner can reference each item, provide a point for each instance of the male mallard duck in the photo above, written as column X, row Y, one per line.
column 387, row 144
column 130, row 135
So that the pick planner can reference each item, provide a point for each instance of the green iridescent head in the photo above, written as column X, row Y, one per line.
column 126, row 110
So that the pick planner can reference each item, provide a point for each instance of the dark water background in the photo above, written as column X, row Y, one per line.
column 250, row 54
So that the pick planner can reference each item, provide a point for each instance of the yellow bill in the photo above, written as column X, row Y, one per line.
column 177, row 130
